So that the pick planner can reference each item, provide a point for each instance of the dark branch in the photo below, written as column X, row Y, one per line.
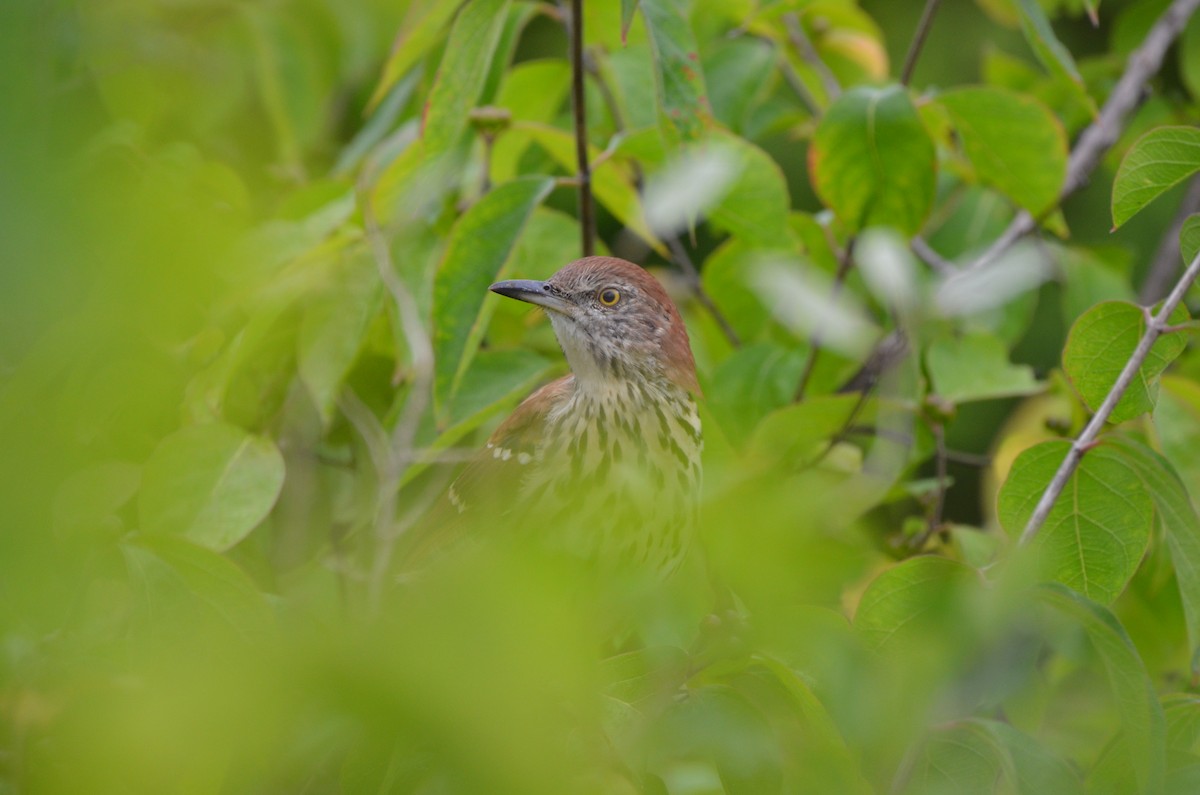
column 918, row 41
column 587, row 217
column 809, row 54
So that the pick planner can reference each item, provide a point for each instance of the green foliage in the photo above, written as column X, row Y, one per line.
column 246, row 342
column 1098, row 346
column 1158, row 160
column 864, row 181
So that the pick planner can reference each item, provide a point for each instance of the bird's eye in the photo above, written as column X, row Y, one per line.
column 609, row 296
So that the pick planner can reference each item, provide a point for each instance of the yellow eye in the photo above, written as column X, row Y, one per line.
column 609, row 296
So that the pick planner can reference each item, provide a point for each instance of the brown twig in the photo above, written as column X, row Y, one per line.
column 918, row 40
column 1101, row 134
column 1166, row 258
column 587, row 216
column 808, row 53
column 1156, row 325
column 934, row 523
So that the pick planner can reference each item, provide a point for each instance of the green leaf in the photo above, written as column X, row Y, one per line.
column 333, row 328
column 612, row 183
column 677, row 73
column 1189, row 239
column 988, row 756
column 795, row 434
column 1178, row 519
column 627, row 9
column 1014, row 142
column 872, row 161
column 211, row 484
column 1050, row 51
column 695, row 734
column 1097, row 532
column 1137, row 701
column 494, row 383
column 1189, row 56
column 1159, row 160
column 975, row 366
column 532, row 92
column 462, row 73
column 756, row 205
column 414, row 41
column 751, row 382
column 177, row 582
column 909, row 599
column 480, row 245
column 1100, row 344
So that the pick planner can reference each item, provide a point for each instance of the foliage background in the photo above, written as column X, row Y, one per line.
column 245, row 338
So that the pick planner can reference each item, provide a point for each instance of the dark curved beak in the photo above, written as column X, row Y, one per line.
column 534, row 292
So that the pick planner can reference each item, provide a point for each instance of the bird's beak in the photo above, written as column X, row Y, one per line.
column 534, row 292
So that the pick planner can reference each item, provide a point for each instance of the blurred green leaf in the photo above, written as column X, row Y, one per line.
column 975, row 366
column 989, row 756
column 1189, row 239
column 333, row 328
column 462, row 73
column 1141, row 714
column 1090, row 277
column 677, row 74
column 612, row 184
column 1179, row 521
column 872, row 161
column 908, row 599
column 1159, row 160
column 751, row 382
column 413, row 42
column 628, row 7
column 715, row 728
column 480, row 245
column 1015, row 143
column 211, row 484
column 1189, row 57
column 171, row 575
column 532, row 91
column 796, row 434
column 1050, row 51
column 1100, row 344
column 755, row 208
column 1096, row 534
column 738, row 76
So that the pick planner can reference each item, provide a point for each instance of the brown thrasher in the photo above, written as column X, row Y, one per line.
column 608, row 457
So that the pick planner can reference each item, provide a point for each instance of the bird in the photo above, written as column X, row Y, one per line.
column 604, row 461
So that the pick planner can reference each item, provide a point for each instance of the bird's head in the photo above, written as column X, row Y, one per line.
column 613, row 320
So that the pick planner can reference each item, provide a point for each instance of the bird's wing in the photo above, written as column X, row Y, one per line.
column 487, row 487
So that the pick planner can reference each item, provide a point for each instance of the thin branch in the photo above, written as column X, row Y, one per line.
column 587, row 215
column 809, row 54
column 934, row 523
column 814, row 351
column 918, row 40
column 680, row 255
column 797, row 85
column 939, row 264
column 1101, row 134
column 393, row 462
column 1155, row 326
column 1166, row 258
